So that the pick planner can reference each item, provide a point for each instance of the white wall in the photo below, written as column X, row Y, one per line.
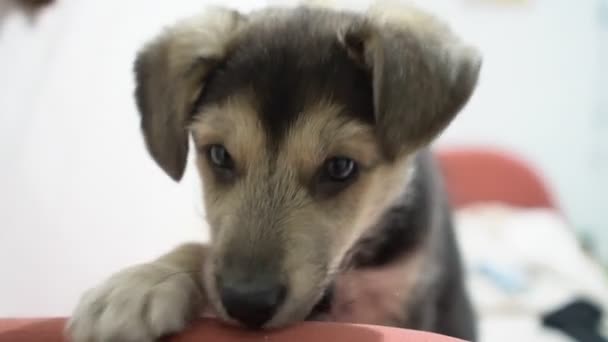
column 80, row 198
column 539, row 96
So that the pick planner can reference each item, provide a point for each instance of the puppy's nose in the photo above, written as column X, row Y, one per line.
column 252, row 303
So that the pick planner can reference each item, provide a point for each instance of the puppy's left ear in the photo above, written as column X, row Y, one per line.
column 422, row 73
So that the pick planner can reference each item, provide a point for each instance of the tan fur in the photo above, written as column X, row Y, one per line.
column 325, row 131
column 170, row 288
column 236, row 126
column 309, row 228
column 406, row 16
column 428, row 30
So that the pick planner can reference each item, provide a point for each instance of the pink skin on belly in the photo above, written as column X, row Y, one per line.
column 375, row 296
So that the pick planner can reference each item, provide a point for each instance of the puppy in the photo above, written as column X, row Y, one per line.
column 310, row 128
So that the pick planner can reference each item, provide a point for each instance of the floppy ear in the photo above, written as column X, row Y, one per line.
column 422, row 73
column 170, row 74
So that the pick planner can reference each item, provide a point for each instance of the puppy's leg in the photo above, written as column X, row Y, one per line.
column 457, row 318
column 144, row 302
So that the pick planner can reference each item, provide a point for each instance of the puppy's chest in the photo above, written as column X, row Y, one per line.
column 374, row 296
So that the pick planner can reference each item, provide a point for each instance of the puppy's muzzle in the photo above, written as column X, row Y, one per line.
column 252, row 302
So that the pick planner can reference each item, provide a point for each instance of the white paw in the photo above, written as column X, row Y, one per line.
column 139, row 304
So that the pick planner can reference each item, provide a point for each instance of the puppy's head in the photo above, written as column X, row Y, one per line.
column 303, row 122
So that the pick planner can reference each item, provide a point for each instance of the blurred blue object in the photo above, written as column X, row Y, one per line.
column 509, row 279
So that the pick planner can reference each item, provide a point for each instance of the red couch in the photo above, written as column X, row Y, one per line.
column 50, row 330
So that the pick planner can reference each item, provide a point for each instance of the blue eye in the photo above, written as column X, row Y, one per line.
column 340, row 169
column 220, row 158
column 335, row 175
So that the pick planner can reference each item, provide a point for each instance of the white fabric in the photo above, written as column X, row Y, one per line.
column 540, row 255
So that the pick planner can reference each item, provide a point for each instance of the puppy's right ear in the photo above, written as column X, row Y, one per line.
column 423, row 74
column 170, row 75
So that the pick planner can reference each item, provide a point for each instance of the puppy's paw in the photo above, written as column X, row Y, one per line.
column 139, row 304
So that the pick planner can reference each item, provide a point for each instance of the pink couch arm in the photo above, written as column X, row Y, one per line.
column 51, row 330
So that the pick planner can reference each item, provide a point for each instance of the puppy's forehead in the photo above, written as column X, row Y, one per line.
column 288, row 62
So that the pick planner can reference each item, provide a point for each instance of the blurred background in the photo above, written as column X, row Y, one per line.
column 80, row 198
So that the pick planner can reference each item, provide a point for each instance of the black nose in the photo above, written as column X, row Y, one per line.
column 251, row 303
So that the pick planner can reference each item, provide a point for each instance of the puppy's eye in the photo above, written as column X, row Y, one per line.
column 340, row 169
column 220, row 158
column 335, row 175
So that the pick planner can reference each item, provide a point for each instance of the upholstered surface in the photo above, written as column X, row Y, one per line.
column 483, row 175
column 51, row 330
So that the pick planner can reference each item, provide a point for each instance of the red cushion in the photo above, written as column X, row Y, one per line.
column 51, row 330
column 480, row 175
